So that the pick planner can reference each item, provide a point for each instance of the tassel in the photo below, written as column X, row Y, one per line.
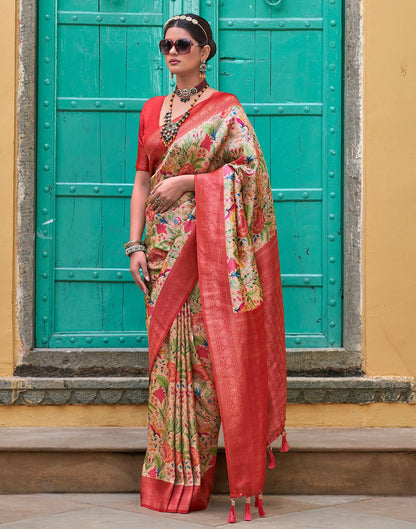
column 232, row 517
column 271, row 464
column 247, row 516
column 259, row 504
column 285, row 445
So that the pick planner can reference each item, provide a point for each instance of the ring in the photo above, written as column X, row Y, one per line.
column 159, row 201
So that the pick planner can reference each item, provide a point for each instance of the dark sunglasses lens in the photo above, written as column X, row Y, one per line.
column 183, row 46
column 165, row 46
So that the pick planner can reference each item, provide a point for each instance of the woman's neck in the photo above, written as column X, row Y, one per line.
column 188, row 81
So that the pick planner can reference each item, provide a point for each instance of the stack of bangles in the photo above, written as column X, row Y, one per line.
column 134, row 246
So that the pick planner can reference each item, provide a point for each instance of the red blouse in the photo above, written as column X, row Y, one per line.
column 149, row 122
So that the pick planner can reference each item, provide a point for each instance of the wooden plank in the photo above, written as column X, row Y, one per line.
column 78, row 61
column 78, row 147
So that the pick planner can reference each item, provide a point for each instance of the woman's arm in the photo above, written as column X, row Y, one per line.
column 139, row 195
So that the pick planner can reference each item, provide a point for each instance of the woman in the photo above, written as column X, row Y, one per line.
column 209, row 268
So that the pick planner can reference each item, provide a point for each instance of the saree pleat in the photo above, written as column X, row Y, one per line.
column 184, row 418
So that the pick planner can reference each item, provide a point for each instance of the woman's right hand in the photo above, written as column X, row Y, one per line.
column 138, row 262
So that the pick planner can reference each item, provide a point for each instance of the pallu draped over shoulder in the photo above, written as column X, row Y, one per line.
column 214, row 312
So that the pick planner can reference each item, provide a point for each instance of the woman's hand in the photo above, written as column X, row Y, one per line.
column 138, row 262
column 165, row 193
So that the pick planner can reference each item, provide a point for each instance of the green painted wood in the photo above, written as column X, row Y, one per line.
column 98, row 64
column 285, row 65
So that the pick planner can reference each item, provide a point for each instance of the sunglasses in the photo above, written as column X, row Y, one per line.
column 182, row 46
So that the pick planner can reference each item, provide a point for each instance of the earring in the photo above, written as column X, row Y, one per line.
column 171, row 75
column 202, row 69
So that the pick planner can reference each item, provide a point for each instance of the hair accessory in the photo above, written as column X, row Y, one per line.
column 170, row 128
column 189, row 19
column 186, row 93
column 202, row 69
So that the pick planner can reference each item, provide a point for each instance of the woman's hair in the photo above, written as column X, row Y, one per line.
column 195, row 31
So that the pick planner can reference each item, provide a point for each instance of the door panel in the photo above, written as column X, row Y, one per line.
column 284, row 63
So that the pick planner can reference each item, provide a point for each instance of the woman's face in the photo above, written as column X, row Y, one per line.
column 184, row 64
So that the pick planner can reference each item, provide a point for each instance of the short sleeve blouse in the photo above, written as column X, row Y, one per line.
column 149, row 122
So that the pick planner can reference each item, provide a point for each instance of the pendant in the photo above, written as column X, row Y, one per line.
column 169, row 131
column 186, row 93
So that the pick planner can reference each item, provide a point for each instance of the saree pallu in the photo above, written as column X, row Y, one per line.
column 214, row 313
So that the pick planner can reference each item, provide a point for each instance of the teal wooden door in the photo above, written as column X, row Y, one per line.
column 98, row 63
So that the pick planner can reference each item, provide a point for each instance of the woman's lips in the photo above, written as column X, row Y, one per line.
column 174, row 61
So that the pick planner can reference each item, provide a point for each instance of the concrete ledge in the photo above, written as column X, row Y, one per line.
column 36, row 391
column 61, row 362
column 320, row 461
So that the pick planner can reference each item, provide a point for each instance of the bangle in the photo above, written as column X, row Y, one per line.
column 135, row 248
column 130, row 243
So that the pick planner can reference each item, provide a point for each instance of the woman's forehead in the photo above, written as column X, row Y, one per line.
column 177, row 33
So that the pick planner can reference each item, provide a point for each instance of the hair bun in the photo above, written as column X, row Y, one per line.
column 213, row 50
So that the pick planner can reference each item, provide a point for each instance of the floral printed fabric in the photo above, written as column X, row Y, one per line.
column 184, row 416
column 224, row 139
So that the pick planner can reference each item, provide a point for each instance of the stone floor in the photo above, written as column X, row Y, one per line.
column 113, row 511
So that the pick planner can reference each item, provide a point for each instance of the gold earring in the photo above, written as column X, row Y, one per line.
column 171, row 75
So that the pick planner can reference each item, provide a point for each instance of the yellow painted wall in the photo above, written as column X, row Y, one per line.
column 7, row 166
column 389, row 252
column 390, row 187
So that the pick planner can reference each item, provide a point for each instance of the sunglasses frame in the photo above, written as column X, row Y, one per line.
column 173, row 44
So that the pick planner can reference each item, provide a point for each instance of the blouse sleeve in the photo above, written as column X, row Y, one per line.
column 142, row 161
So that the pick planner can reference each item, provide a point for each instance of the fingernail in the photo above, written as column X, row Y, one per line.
column 147, row 278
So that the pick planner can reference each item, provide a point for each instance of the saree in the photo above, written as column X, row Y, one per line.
column 214, row 312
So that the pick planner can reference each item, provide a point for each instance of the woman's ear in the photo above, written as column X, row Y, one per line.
column 205, row 52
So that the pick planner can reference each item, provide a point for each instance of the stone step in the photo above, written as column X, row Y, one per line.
column 335, row 361
column 320, row 461
column 134, row 390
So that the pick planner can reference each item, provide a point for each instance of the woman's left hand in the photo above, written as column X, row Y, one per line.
column 165, row 193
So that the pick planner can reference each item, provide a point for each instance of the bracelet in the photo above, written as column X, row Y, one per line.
column 130, row 243
column 135, row 248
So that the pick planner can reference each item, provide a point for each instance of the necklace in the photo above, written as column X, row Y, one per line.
column 170, row 128
column 186, row 93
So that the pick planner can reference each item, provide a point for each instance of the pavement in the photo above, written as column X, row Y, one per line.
column 119, row 510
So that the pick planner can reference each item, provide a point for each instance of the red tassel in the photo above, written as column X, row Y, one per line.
column 247, row 516
column 232, row 517
column 285, row 445
column 271, row 464
column 259, row 504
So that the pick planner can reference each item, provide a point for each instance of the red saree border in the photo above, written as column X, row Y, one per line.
column 164, row 496
column 237, row 345
column 177, row 287
column 268, row 265
column 197, row 116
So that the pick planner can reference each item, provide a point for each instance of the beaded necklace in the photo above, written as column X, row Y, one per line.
column 170, row 128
